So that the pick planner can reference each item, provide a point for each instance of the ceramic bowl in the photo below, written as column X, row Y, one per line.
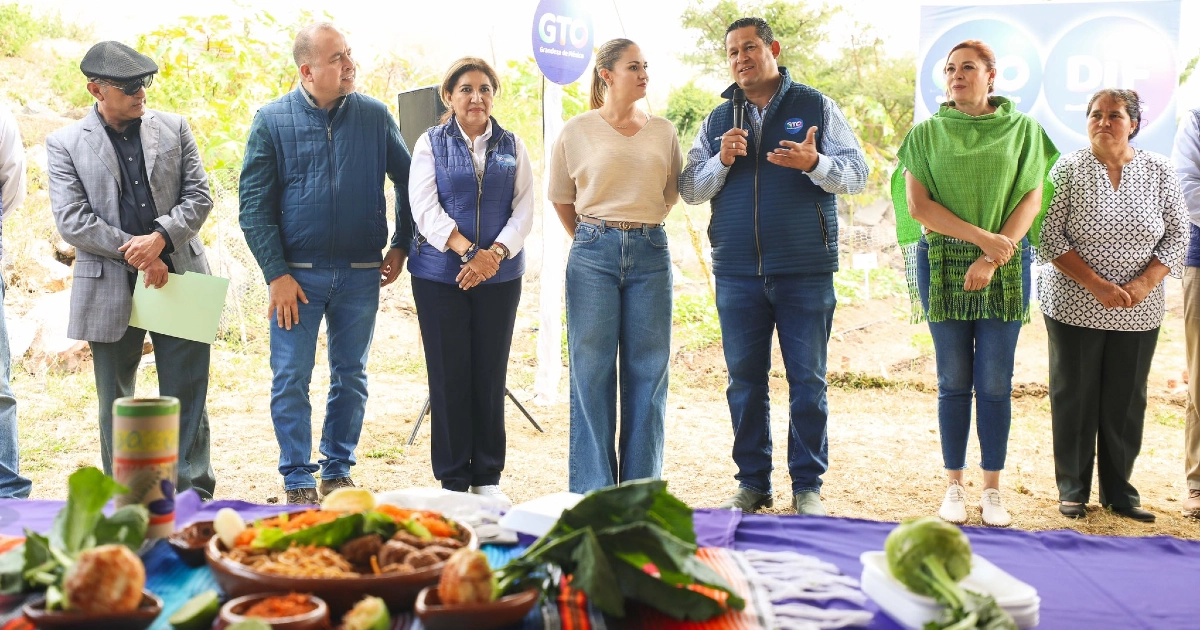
column 502, row 612
column 147, row 611
column 398, row 590
column 316, row 619
column 189, row 543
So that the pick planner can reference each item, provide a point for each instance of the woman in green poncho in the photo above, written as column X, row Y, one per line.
column 968, row 194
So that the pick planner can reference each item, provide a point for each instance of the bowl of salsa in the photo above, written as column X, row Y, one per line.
column 281, row 611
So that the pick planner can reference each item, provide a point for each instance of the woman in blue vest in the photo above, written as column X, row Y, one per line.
column 471, row 190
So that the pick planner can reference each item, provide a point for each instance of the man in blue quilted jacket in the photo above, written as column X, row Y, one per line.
column 772, row 184
column 313, row 212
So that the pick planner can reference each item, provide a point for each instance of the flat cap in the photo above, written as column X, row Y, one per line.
column 116, row 61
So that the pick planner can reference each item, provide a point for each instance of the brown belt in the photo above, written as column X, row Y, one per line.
column 618, row 225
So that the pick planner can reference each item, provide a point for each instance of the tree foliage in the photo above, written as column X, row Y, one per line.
column 687, row 106
column 217, row 71
column 798, row 28
column 518, row 105
column 873, row 89
column 393, row 73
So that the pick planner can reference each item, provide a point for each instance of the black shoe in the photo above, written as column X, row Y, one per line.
column 1135, row 513
column 1073, row 511
column 302, row 496
column 747, row 500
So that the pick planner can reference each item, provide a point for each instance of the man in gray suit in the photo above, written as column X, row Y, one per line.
column 128, row 190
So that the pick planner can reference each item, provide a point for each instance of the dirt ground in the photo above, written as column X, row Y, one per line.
column 885, row 461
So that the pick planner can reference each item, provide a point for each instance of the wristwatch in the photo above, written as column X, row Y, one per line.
column 470, row 253
column 500, row 250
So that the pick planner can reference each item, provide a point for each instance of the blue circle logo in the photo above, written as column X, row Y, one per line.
column 793, row 125
column 1018, row 66
column 562, row 39
column 1085, row 61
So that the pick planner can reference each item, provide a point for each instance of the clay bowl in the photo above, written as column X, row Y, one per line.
column 316, row 619
column 502, row 612
column 189, row 543
column 147, row 611
column 399, row 591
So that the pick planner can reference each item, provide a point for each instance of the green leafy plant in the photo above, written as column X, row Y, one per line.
column 695, row 321
column 630, row 542
column 930, row 557
column 219, row 71
column 42, row 560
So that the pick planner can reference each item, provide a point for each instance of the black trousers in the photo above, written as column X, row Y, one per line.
column 467, row 335
column 1098, row 408
column 183, row 373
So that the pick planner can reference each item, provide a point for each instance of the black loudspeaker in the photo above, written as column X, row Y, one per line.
column 418, row 110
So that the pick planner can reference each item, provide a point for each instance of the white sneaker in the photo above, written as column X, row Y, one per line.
column 491, row 491
column 994, row 513
column 954, row 506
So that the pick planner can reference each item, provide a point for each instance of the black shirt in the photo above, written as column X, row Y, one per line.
column 138, row 212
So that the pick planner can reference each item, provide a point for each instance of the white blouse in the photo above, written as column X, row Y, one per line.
column 1116, row 232
column 431, row 219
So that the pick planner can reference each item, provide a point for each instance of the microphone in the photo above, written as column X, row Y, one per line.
column 739, row 107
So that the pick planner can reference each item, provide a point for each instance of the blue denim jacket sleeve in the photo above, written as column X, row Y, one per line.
column 258, row 198
column 398, row 161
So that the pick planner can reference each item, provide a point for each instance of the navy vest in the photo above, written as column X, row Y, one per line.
column 481, row 211
column 333, row 212
column 769, row 219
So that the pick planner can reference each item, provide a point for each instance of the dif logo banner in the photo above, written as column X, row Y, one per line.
column 562, row 39
column 1051, row 58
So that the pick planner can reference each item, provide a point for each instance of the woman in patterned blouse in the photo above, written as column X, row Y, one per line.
column 1117, row 226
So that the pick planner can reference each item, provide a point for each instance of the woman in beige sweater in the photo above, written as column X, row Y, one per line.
column 614, row 174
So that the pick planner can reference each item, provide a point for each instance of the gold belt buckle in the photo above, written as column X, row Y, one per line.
column 626, row 225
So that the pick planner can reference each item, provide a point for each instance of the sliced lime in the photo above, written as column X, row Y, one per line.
column 197, row 613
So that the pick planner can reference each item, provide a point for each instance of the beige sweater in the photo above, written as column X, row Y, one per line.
column 612, row 177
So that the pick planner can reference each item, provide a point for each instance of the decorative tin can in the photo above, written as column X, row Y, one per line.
column 146, row 456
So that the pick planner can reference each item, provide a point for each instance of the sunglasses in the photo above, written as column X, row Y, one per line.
column 131, row 88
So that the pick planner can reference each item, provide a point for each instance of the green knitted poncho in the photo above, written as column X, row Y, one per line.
column 978, row 167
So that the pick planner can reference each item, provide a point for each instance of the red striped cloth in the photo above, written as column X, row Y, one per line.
column 575, row 614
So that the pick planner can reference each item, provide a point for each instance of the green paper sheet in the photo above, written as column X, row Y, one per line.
column 188, row 306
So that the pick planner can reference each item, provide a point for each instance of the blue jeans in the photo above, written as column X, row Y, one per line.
column 974, row 356
column 618, row 309
column 348, row 299
column 752, row 308
column 12, row 484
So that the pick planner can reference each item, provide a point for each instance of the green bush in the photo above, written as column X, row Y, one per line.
column 69, row 84
column 19, row 27
column 695, row 321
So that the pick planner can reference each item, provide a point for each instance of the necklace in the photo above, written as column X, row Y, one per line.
column 615, row 125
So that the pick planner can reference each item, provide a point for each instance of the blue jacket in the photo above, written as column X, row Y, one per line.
column 769, row 219
column 311, row 189
column 480, row 206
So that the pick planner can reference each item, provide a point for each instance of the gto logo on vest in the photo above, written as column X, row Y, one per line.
column 793, row 126
column 1051, row 58
column 562, row 39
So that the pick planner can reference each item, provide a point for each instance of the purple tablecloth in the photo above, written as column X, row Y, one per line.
column 1084, row 581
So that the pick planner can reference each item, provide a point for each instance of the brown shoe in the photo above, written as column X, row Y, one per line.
column 329, row 485
column 302, row 496
column 1191, row 505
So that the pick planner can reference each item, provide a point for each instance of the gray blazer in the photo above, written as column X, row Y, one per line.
column 85, row 191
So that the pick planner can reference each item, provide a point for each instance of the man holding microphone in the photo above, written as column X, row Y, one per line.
column 772, row 184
